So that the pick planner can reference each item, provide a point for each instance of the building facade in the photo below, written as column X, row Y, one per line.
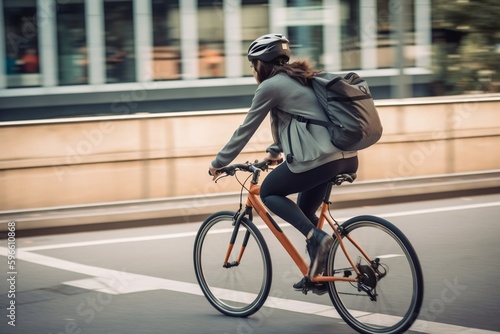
column 83, row 46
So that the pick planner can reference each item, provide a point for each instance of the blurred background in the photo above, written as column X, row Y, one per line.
column 104, row 101
column 74, row 46
column 112, row 110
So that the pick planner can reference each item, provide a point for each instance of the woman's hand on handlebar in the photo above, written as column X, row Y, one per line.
column 274, row 160
column 268, row 161
column 214, row 172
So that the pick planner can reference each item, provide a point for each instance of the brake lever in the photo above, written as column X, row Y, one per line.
column 223, row 175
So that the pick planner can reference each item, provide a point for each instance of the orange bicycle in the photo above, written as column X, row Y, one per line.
column 373, row 275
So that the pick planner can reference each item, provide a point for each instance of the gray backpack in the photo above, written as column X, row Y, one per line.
column 354, row 121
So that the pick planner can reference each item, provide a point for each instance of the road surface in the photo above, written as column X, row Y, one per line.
column 141, row 280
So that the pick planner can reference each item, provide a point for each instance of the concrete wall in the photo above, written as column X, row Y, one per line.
column 92, row 160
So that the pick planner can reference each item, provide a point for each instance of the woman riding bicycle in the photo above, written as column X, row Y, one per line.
column 311, row 160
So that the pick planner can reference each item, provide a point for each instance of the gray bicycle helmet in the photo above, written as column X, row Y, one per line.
column 269, row 47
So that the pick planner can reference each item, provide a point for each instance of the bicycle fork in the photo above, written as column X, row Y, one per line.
column 237, row 223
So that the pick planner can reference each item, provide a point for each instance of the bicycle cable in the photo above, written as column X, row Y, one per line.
column 339, row 228
column 242, row 187
column 242, row 184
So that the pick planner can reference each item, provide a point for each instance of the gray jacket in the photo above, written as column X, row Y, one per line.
column 305, row 146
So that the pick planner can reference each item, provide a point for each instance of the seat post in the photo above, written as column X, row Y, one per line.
column 326, row 198
column 338, row 180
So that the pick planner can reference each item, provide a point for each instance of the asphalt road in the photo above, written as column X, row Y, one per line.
column 141, row 280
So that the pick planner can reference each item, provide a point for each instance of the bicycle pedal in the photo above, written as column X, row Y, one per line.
column 306, row 283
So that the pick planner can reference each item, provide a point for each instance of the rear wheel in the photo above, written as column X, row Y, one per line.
column 240, row 286
column 388, row 296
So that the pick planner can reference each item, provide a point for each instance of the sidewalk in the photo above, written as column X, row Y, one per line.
column 193, row 208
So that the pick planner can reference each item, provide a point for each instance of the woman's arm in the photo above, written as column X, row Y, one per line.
column 264, row 100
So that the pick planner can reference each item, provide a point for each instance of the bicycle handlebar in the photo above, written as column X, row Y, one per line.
column 254, row 168
column 251, row 168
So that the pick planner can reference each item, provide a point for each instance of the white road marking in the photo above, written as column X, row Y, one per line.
column 443, row 209
column 110, row 241
column 118, row 282
column 192, row 234
column 388, row 256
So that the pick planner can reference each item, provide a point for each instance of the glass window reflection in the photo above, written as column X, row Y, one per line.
column 387, row 33
column 307, row 42
column 254, row 23
column 211, row 39
column 166, row 40
column 71, row 43
column 350, row 35
column 21, row 44
column 120, row 45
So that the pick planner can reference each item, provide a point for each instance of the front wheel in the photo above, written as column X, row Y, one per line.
column 237, row 287
column 388, row 295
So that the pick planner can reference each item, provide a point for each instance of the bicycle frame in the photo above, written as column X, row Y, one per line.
column 253, row 202
column 240, row 290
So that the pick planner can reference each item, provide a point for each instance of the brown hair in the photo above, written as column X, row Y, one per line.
column 301, row 70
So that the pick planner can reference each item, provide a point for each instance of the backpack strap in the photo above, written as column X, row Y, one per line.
column 303, row 119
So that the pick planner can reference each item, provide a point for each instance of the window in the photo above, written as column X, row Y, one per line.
column 350, row 35
column 387, row 33
column 254, row 23
column 71, row 43
column 211, row 38
column 307, row 42
column 300, row 3
column 166, row 40
column 120, row 42
column 305, row 32
column 21, row 44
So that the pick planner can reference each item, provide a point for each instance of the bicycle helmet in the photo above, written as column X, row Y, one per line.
column 269, row 47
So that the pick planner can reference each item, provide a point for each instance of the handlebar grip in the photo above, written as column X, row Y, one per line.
column 220, row 171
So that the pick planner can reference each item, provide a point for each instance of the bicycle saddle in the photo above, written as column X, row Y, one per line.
column 349, row 177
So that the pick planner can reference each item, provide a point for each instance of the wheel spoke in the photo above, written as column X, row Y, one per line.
column 388, row 295
column 240, row 286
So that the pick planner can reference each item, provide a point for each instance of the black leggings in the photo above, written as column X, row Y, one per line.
column 310, row 185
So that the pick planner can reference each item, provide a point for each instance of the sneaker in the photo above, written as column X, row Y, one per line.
column 317, row 288
column 319, row 244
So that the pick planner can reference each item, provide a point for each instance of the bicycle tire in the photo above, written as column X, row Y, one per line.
column 398, row 295
column 240, row 290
